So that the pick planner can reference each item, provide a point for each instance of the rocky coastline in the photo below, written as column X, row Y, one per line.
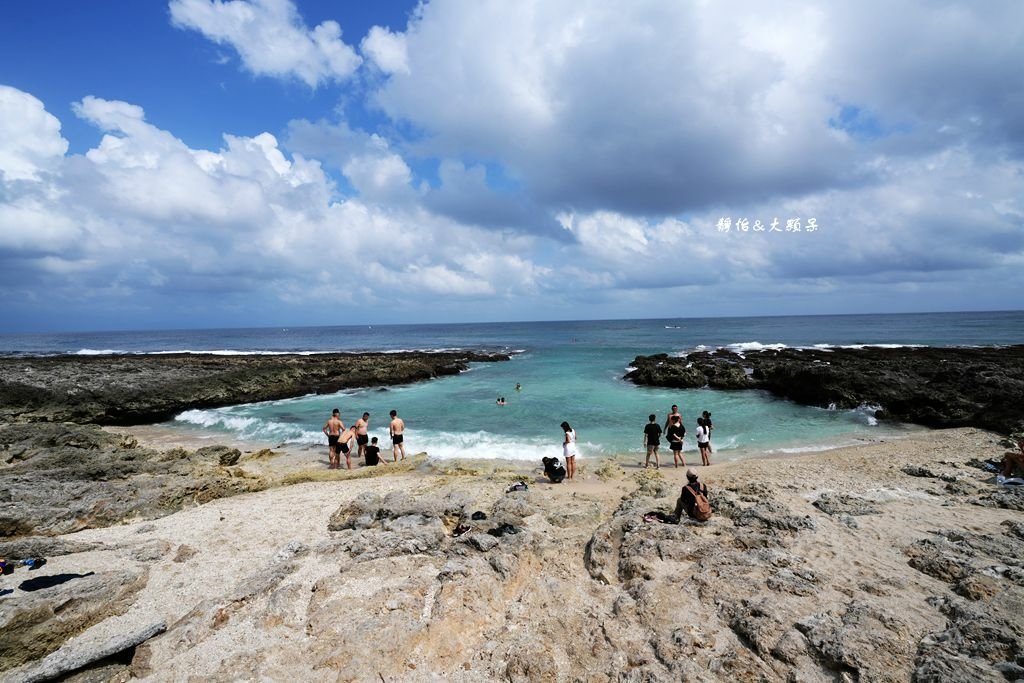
column 889, row 562
column 140, row 389
column 892, row 561
column 937, row 387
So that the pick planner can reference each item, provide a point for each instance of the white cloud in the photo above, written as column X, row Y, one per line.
column 386, row 50
column 637, row 126
column 142, row 214
column 659, row 108
column 30, row 140
column 29, row 224
column 379, row 177
column 271, row 38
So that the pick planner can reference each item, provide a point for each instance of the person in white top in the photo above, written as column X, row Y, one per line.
column 704, row 441
column 569, row 450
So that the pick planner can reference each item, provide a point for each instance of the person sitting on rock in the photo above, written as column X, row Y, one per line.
column 1013, row 463
column 373, row 453
column 693, row 499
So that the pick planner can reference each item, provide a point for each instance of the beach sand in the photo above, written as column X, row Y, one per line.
column 257, row 587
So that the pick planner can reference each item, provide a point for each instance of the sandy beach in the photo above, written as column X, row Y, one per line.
column 859, row 563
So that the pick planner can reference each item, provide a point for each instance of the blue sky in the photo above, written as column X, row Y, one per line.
column 198, row 163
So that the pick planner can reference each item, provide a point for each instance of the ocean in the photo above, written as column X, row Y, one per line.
column 569, row 370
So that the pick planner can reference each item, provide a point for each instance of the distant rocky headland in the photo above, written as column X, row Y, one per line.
column 931, row 386
column 139, row 389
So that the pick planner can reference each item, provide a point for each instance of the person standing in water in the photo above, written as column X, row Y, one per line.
column 569, row 451
column 673, row 415
column 397, row 431
column 333, row 429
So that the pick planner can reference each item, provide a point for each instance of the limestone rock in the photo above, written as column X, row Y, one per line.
column 977, row 645
column 83, row 652
column 35, row 624
column 932, row 386
column 838, row 504
column 224, row 455
column 68, row 477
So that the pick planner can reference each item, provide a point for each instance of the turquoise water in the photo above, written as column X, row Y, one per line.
column 568, row 370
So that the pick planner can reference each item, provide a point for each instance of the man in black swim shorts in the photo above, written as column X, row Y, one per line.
column 397, row 430
column 362, row 438
column 343, row 445
column 332, row 429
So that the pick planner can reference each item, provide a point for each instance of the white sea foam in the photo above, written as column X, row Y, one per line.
column 233, row 352
column 216, row 418
column 98, row 352
column 438, row 444
column 481, row 444
column 814, row 448
column 867, row 412
column 829, row 347
column 740, row 348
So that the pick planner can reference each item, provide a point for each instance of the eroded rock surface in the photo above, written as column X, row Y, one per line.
column 139, row 389
column 391, row 577
column 60, row 478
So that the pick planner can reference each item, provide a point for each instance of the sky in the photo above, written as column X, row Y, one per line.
column 245, row 163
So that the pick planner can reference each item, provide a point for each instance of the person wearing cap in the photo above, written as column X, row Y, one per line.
column 687, row 497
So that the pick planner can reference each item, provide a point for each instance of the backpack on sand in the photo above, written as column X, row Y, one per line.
column 701, row 506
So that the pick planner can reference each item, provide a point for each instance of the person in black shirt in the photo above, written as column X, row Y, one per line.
column 675, row 433
column 373, row 452
column 707, row 423
column 652, row 439
column 687, row 500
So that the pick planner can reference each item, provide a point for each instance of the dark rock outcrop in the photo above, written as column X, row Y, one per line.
column 931, row 386
column 139, row 389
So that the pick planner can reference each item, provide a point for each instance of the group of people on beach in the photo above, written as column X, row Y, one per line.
column 693, row 499
column 340, row 440
column 674, row 432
